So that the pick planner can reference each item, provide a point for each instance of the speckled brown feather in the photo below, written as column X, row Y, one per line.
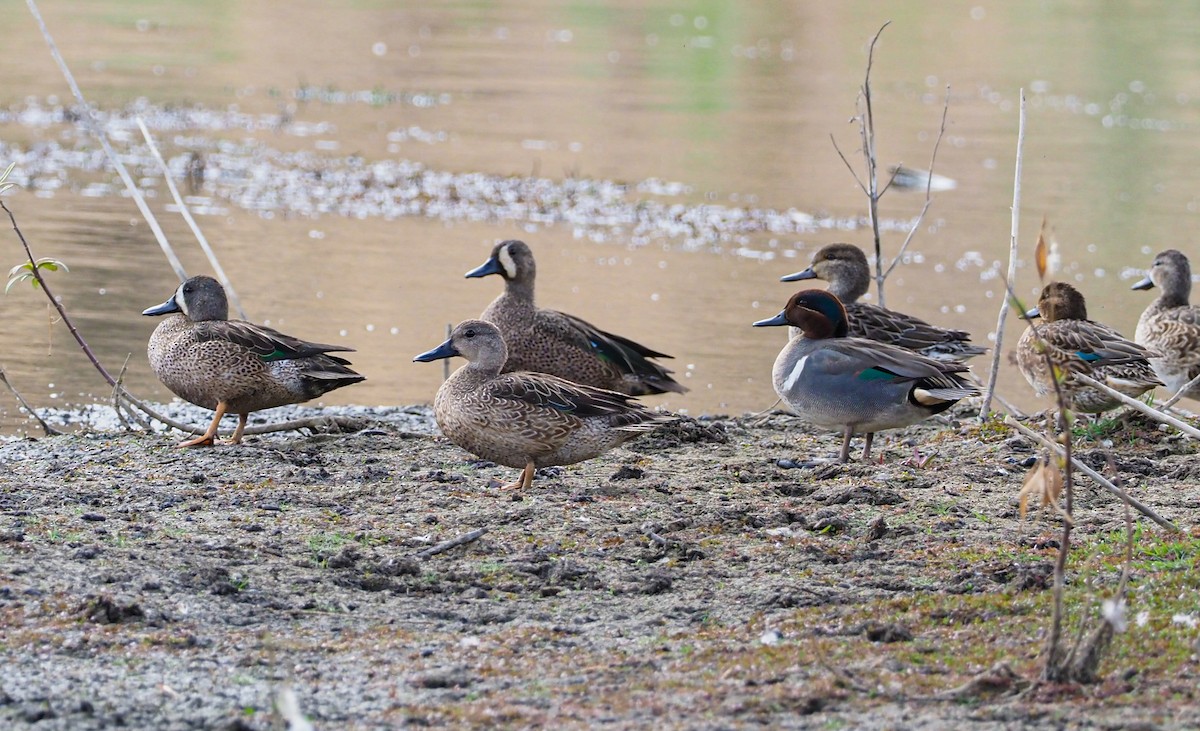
column 548, row 341
column 520, row 417
column 1171, row 325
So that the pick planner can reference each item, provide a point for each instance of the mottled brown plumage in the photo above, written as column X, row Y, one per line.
column 525, row 419
column 1171, row 325
column 1075, row 344
column 549, row 341
column 233, row 366
column 845, row 267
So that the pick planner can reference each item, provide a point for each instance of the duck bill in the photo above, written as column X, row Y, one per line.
column 445, row 350
column 1032, row 314
column 491, row 266
column 1144, row 283
column 806, row 274
column 165, row 308
column 770, row 321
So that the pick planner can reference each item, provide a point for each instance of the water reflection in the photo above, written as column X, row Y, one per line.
column 666, row 165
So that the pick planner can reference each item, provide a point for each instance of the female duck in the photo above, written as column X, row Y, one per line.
column 235, row 366
column 525, row 419
column 1170, row 325
column 1072, row 343
column 548, row 341
column 855, row 385
column 844, row 266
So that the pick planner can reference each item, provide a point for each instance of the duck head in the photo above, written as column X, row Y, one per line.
column 1059, row 301
column 511, row 259
column 844, row 266
column 1171, row 272
column 818, row 314
column 199, row 299
column 479, row 341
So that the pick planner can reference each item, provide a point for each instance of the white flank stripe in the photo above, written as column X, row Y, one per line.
column 795, row 374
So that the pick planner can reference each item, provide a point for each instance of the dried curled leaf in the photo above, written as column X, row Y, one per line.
column 1045, row 483
column 1041, row 254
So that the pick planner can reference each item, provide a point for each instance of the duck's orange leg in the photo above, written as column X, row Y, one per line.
column 241, row 427
column 525, row 480
column 209, row 436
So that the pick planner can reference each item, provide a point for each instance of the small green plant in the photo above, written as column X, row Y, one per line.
column 24, row 272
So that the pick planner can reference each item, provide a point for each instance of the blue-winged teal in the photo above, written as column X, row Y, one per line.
column 1076, row 344
column 233, row 366
column 1170, row 325
column 524, row 419
column 548, row 341
column 855, row 385
column 844, row 266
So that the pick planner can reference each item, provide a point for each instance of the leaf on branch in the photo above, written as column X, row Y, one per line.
column 24, row 272
column 1044, row 483
column 1041, row 254
column 4, row 184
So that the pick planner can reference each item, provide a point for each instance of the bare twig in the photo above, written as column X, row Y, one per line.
column 867, row 128
column 91, row 125
column 928, row 195
column 37, row 275
column 1098, row 478
column 1155, row 414
column 46, row 428
column 1180, row 393
column 986, row 408
column 452, row 543
column 187, row 216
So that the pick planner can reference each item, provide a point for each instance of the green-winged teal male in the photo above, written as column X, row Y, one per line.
column 1170, row 325
column 855, row 385
column 524, row 419
column 549, row 341
column 1071, row 343
column 844, row 266
column 233, row 366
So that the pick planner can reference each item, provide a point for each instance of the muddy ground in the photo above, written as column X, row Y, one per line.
column 707, row 576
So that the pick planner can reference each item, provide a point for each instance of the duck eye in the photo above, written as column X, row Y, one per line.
column 469, row 334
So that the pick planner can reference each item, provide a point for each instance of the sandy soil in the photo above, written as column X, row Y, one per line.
column 708, row 576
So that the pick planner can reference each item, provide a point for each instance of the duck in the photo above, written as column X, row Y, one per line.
column 524, row 419
column 1075, row 344
column 234, row 366
column 853, row 384
column 844, row 267
column 1170, row 325
column 549, row 341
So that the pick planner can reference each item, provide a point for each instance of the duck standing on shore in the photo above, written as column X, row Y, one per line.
column 1068, row 342
column 855, row 385
column 523, row 419
column 845, row 267
column 233, row 366
column 549, row 341
column 1171, row 325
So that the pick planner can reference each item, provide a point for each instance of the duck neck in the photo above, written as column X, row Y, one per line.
column 850, row 287
column 520, row 289
column 1176, row 292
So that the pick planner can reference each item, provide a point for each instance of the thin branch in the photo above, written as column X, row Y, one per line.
column 187, row 216
column 37, row 275
column 868, row 135
column 928, row 188
column 1098, row 478
column 1155, row 414
column 452, row 543
column 91, row 125
column 849, row 167
column 46, row 428
column 1180, row 393
column 985, row 409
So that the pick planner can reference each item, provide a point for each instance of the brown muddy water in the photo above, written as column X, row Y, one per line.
column 667, row 163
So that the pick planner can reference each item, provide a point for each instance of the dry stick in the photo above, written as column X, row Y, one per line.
column 94, row 128
column 1180, row 393
column 986, row 408
column 867, row 128
column 1099, row 479
column 46, row 428
column 928, row 197
column 1155, row 414
column 452, row 543
column 187, row 216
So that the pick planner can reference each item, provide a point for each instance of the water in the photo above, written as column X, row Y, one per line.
column 667, row 164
